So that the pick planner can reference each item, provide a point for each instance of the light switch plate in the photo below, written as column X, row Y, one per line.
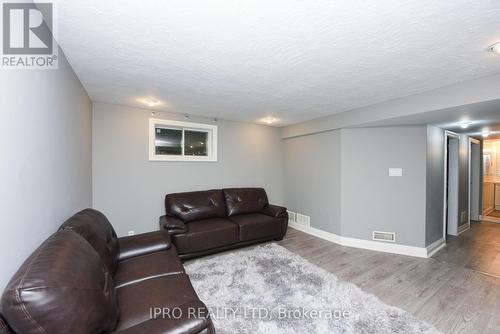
column 395, row 171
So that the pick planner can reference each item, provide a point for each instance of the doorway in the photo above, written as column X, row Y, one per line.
column 491, row 180
column 451, row 184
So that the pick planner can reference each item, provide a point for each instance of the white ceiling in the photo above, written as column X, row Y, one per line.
column 294, row 60
column 484, row 117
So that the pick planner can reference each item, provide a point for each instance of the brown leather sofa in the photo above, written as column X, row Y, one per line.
column 205, row 222
column 83, row 279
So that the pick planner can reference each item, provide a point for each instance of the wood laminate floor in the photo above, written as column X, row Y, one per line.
column 442, row 290
column 477, row 249
column 495, row 213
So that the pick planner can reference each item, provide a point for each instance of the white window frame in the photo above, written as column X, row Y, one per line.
column 178, row 125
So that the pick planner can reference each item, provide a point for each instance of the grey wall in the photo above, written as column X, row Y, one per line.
column 370, row 199
column 130, row 189
column 434, row 185
column 481, row 178
column 312, row 178
column 463, row 178
column 45, row 140
column 340, row 179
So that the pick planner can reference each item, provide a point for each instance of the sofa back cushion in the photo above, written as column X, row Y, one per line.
column 99, row 233
column 63, row 287
column 240, row 201
column 196, row 205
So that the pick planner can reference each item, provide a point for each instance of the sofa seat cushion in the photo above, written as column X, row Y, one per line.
column 148, row 266
column 172, row 325
column 206, row 234
column 256, row 225
column 138, row 302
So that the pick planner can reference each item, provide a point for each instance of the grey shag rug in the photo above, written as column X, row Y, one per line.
column 268, row 289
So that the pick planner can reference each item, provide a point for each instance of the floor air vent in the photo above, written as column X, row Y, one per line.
column 384, row 236
column 303, row 219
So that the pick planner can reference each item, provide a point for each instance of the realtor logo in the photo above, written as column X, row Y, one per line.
column 27, row 36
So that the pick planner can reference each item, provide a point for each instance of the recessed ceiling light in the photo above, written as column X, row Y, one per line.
column 495, row 48
column 464, row 124
column 150, row 102
column 269, row 120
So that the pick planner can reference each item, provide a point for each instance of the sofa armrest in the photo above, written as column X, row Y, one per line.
column 141, row 244
column 172, row 224
column 275, row 211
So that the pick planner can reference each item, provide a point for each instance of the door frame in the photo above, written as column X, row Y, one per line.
column 473, row 141
column 447, row 134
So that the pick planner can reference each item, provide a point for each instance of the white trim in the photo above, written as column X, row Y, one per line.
column 211, row 144
column 445, row 183
column 364, row 244
column 491, row 219
column 488, row 211
column 462, row 228
column 317, row 233
column 435, row 247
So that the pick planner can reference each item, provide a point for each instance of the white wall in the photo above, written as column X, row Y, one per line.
column 45, row 173
column 130, row 189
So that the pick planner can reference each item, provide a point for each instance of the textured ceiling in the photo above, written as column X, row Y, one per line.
column 294, row 60
column 484, row 117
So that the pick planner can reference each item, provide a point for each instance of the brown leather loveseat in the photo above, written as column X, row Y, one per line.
column 205, row 222
column 83, row 279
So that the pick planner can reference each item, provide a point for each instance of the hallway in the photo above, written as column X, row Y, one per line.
column 477, row 249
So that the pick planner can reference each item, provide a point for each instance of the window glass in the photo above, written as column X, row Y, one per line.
column 168, row 141
column 195, row 143
column 171, row 140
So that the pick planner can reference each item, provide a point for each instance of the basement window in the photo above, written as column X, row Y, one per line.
column 182, row 141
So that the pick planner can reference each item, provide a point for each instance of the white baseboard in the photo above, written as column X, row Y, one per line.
column 463, row 228
column 435, row 247
column 489, row 210
column 364, row 244
column 491, row 219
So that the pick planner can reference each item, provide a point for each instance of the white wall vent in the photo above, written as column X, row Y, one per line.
column 292, row 216
column 303, row 219
column 464, row 217
column 384, row 236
